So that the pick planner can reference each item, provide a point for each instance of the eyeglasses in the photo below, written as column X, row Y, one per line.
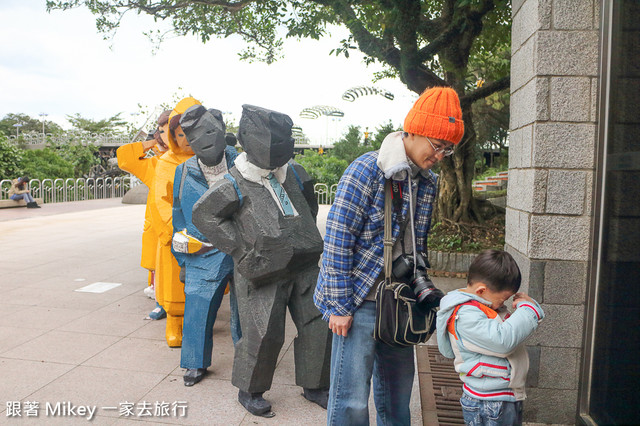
column 445, row 151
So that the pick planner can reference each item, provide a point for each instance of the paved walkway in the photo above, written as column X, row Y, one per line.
column 59, row 345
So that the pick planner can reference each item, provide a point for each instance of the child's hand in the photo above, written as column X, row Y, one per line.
column 521, row 297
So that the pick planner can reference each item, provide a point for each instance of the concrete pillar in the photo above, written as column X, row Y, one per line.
column 554, row 91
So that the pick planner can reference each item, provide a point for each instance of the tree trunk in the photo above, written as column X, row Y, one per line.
column 456, row 202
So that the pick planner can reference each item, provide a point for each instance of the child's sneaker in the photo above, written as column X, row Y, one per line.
column 158, row 313
column 150, row 292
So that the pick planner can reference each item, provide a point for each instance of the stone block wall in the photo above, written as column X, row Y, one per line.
column 554, row 94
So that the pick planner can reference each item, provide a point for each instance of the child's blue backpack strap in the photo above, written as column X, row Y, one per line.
column 293, row 169
column 235, row 186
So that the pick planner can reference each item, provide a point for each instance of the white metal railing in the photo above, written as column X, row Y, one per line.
column 72, row 136
column 325, row 193
column 61, row 190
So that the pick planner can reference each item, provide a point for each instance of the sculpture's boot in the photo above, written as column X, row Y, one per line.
column 194, row 375
column 319, row 396
column 158, row 313
column 173, row 332
column 255, row 404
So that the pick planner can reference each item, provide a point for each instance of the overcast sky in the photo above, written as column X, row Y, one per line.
column 58, row 64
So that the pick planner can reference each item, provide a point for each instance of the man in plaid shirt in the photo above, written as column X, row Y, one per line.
column 352, row 262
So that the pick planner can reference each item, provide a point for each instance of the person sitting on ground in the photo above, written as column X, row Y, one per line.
column 475, row 328
column 20, row 191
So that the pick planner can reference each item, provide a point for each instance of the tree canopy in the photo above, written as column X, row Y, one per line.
column 29, row 124
column 113, row 124
column 424, row 43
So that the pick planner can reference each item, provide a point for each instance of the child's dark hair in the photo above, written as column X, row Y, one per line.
column 497, row 269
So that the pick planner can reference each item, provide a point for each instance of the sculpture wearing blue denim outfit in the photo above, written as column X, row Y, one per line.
column 206, row 272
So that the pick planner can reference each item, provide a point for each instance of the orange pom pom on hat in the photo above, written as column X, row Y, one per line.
column 436, row 114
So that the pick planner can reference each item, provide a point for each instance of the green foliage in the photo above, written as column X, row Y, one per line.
column 350, row 147
column 329, row 168
column 45, row 164
column 322, row 168
column 464, row 44
column 381, row 132
column 410, row 39
column 29, row 124
column 81, row 157
column 492, row 171
column 492, row 129
column 54, row 161
column 10, row 159
column 113, row 124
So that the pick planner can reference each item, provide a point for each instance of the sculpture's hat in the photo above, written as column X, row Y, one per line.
column 179, row 109
column 265, row 136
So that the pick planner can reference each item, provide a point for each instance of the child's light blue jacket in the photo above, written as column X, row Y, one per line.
column 487, row 345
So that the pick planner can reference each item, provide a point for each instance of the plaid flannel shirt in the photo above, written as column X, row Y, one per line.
column 353, row 244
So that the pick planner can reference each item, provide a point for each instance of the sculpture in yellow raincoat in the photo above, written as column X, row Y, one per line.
column 169, row 288
column 132, row 158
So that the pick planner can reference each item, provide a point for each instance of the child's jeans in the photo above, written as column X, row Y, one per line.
column 479, row 412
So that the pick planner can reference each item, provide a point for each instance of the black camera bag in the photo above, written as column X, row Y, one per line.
column 398, row 320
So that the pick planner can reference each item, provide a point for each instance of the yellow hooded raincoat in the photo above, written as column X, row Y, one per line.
column 169, row 288
column 131, row 158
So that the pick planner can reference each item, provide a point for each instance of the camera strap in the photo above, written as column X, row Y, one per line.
column 387, row 240
column 396, row 196
column 396, row 200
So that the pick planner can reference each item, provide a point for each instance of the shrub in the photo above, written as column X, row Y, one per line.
column 45, row 164
column 323, row 169
column 10, row 159
column 81, row 157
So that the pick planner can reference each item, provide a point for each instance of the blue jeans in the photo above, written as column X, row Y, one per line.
column 354, row 360
column 26, row 197
column 480, row 412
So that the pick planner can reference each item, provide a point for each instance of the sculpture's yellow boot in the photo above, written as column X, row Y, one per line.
column 173, row 332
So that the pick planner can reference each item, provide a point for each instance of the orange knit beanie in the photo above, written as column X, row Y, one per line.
column 436, row 114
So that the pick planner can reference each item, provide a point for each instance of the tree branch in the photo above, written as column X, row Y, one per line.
column 442, row 41
column 486, row 90
column 157, row 9
column 367, row 42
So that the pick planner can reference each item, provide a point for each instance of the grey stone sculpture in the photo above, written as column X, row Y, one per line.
column 272, row 236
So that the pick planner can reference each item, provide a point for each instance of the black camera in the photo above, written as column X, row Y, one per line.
column 427, row 295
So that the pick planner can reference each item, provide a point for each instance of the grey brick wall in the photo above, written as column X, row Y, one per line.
column 554, row 97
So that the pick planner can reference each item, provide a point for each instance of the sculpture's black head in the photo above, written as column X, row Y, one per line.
column 205, row 131
column 265, row 136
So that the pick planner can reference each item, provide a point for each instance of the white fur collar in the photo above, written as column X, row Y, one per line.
column 253, row 173
column 392, row 158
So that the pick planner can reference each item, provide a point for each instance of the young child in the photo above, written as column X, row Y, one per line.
column 475, row 328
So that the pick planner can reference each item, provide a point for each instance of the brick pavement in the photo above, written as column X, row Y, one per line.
column 96, row 349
